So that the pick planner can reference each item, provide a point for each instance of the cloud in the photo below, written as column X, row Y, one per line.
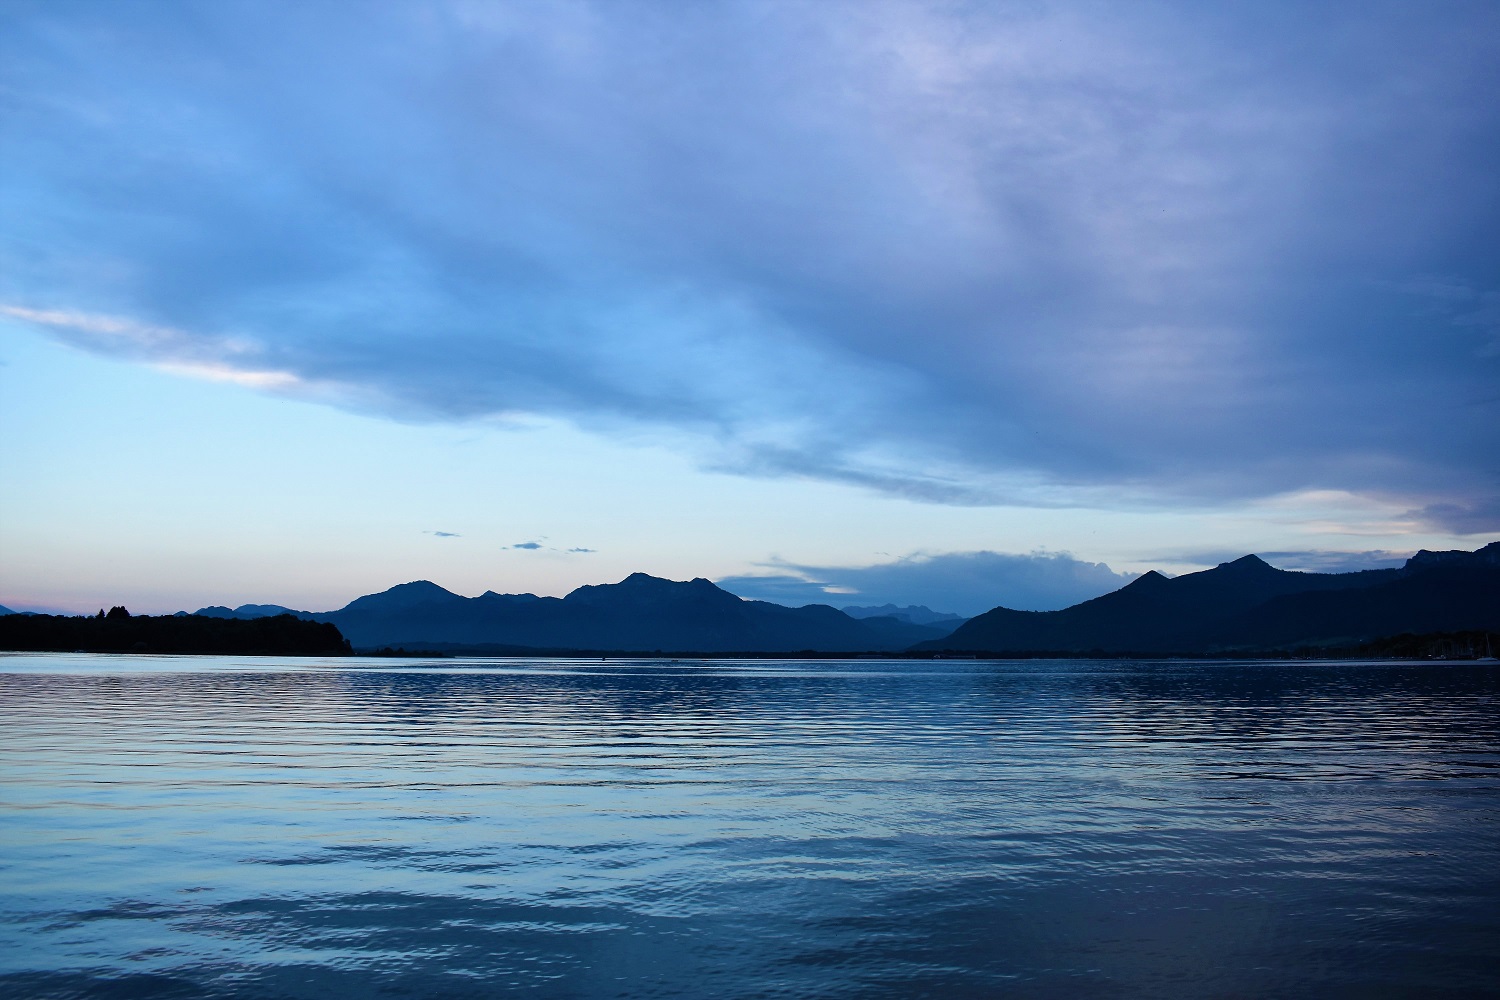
column 445, row 534
column 1325, row 561
column 214, row 359
column 538, row 546
column 966, row 583
column 1476, row 517
column 959, row 254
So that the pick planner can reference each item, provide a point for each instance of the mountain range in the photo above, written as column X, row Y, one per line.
column 640, row 613
column 1240, row 606
column 917, row 614
column 1248, row 605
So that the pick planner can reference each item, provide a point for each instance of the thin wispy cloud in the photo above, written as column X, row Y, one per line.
column 963, row 254
column 444, row 534
column 216, row 359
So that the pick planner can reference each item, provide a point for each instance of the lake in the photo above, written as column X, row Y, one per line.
column 259, row 827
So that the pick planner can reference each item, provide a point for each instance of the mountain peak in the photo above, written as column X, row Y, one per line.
column 403, row 595
column 419, row 588
column 1426, row 559
column 643, row 587
column 646, row 580
column 490, row 595
column 917, row 614
column 643, row 578
column 264, row 610
column 1150, row 578
column 1250, row 563
column 245, row 611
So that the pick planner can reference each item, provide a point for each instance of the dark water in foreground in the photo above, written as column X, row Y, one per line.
column 279, row 828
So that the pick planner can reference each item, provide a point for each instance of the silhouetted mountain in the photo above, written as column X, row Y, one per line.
column 640, row 613
column 899, row 629
column 1433, row 592
column 1247, row 604
column 915, row 613
column 1244, row 605
column 7, row 611
column 404, row 597
column 247, row 611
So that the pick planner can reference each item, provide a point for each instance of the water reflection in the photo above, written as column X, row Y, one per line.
column 643, row 828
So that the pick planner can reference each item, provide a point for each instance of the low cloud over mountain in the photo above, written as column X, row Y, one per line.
column 962, row 582
column 1308, row 560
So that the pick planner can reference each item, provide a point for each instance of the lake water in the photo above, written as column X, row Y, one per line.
column 227, row 827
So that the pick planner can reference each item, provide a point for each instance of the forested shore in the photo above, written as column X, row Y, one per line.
column 118, row 631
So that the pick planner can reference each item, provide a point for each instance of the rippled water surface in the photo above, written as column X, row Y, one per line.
column 204, row 826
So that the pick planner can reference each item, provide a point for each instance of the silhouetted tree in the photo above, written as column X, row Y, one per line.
column 118, row 612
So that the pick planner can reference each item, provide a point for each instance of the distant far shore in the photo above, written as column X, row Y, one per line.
column 1438, row 606
column 287, row 635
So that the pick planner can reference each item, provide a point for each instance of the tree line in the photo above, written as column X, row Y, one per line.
column 118, row 631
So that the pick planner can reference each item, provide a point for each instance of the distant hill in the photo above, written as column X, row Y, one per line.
column 1249, row 605
column 7, row 611
column 248, row 611
column 915, row 613
column 641, row 613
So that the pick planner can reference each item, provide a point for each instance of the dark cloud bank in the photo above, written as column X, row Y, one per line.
column 963, row 253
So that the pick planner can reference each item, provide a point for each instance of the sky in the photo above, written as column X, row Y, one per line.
column 927, row 303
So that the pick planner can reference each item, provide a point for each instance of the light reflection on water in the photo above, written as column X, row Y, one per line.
column 206, row 826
